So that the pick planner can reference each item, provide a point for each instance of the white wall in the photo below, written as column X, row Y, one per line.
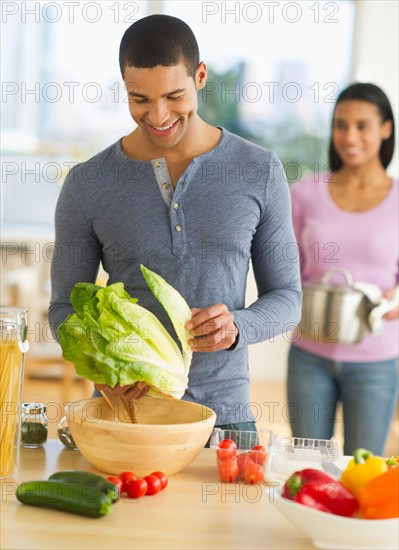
column 375, row 59
column 267, row 360
column 375, row 53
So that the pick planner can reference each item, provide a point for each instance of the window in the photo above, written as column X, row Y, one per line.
column 275, row 69
column 62, row 100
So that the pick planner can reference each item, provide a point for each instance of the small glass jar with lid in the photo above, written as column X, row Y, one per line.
column 34, row 425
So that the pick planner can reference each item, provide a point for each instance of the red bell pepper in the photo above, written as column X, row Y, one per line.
column 299, row 478
column 329, row 496
column 318, row 490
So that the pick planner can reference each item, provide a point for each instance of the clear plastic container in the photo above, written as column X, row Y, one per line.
column 296, row 453
column 300, row 448
column 242, row 456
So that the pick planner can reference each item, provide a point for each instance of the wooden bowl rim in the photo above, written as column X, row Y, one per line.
column 103, row 423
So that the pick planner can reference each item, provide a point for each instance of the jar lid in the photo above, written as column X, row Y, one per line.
column 34, row 408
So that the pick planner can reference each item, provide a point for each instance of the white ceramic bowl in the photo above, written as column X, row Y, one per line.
column 169, row 434
column 337, row 532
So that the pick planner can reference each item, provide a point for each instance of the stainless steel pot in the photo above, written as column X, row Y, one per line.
column 334, row 313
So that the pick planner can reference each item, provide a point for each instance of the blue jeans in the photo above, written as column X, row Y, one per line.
column 368, row 393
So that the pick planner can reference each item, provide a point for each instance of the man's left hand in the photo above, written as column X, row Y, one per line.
column 212, row 328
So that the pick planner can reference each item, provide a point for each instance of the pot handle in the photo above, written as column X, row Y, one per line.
column 347, row 274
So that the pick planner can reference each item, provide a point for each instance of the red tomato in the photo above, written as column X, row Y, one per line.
column 228, row 470
column 162, row 477
column 154, row 484
column 125, row 477
column 254, row 473
column 226, row 449
column 116, row 481
column 136, row 488
column 258, row 454
column 242, row 460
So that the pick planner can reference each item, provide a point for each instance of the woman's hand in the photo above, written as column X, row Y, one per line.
column 212, row 328
column 394, row 313
column 138, row 390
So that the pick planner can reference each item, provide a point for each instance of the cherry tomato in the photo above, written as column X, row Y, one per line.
column 228, row 470
column 242, row 460
column 136, row 488
column 125, row 477
column 154, row 484
column 258, row 454
column 162, row 477
column 253, row 473
column 226, row 449
column 116, row 481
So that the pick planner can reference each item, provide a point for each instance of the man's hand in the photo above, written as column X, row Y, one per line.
column 212, row 328
column 139, row 389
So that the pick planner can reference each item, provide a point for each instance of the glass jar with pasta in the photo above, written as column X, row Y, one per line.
column 13, row 345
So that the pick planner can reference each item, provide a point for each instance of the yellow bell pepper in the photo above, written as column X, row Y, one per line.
column 363, row 467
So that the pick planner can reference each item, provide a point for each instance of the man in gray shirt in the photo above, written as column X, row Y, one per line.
column 195, row 204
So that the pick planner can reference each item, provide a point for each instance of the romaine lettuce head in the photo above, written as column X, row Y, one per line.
column 175, row 306
column 111, row 339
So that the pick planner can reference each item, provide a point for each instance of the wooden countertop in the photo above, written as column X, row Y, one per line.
column 195, row 511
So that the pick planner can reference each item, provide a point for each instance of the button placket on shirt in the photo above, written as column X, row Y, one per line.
column 177, row 219
column 162, row 178
column 174, row 200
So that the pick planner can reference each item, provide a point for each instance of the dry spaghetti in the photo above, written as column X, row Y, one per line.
column 10, row 383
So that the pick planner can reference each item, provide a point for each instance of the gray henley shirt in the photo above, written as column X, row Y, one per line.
column 230, row 206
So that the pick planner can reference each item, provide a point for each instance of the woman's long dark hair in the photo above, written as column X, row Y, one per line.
column 374, row 95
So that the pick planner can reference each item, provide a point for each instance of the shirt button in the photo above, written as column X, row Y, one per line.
column 176, row 205
column 157, row 164
column 178, row 228
column 165, row 186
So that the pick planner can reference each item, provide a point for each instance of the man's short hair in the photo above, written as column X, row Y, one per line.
column 159, row 40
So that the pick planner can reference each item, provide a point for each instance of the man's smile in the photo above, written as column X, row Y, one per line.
column 163, row 130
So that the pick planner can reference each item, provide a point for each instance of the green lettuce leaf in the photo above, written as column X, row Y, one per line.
column 112, row 340
column 175, row 306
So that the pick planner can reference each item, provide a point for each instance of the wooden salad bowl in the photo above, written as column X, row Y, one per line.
column 168, row 435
